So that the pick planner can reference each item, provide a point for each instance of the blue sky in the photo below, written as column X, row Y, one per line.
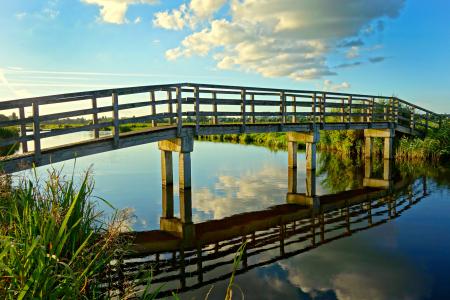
column 385, row 47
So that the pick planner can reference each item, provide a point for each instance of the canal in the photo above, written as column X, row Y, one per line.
column 401, row 253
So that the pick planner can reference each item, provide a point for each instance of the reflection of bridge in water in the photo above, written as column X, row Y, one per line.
column 185, row 255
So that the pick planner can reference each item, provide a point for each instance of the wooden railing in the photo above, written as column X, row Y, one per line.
column 198, row 104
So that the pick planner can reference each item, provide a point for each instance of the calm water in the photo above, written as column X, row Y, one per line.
column 404, row 257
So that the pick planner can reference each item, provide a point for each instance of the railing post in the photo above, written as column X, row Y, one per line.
column 294, row 109
column 349, row 116
column 342, row 110
column 412, row 121
column 215, row 117
column 283, row 107
column 396, row 110
column 243, row 104
column 95, row 117
column 153, row 105
column 36, row 131
column 197, row 109
column 372, row 109
column 313, row 108
column 23, row 129
column 179, row 111
column 391, row 110
column 322, row 108
column 252, row 107
column 116, row 130
column 169, row 106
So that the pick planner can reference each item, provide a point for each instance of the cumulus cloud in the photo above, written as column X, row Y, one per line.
column 329, row 85
column 114, row 11
column 276, row 37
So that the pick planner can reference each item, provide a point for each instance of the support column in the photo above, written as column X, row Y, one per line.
column 310, row 183
column 310, row 139
column 292, row 180
column 167, row 201
column 186, row 206
column 368, row 168
column 184, row 170
column 184, row 146
column 166, row 168
column 388, row 152
column 292, row 154
column 310, row 156
column 368, row 147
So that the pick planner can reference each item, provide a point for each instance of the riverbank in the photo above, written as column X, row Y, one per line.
column 435, row 147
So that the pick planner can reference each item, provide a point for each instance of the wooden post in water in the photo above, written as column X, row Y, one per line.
column 95, row 117
column 116, row 130
column 36, row 131
column 153, row 105
column 23, row 129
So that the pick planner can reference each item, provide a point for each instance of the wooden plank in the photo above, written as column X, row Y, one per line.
column 153, row 106
column 95, row 117
column 23, row 129
column 116, row 130
column 36, row 132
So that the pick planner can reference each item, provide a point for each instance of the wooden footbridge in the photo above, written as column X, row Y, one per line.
column 178, row 112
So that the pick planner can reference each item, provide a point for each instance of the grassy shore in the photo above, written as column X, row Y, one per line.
column 435, row 147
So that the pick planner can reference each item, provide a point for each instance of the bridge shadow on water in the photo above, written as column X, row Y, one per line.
column 184, row 256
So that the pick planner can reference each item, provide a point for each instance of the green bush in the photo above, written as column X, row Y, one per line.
column 7, row 133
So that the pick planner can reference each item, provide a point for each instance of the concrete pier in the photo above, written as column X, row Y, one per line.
column 310, row 139
column 388, row 136
column 184, row 146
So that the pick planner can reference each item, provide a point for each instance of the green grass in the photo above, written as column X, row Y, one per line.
column 7, row 133
column 52, row 240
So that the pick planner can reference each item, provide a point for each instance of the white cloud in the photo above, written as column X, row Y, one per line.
column 206, row 8
column 353, row 52
column 137, row 20
column 21, row 15
column 114, row 11
column 330, row 86
column 289, row 38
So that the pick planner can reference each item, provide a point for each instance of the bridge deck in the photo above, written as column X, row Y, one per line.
column 229, row 109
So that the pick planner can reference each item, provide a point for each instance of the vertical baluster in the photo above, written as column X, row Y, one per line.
column 412, row 121
column 153, row 106
column 252, row 107
column 197, row 109
column 397, row 110
column 179, row 111
column 95, row 117
column 36, row 131
column 116, row 131
column 294, row 109
column 215, row 117
column 243, row 104
column 313, row 108
column 283, row 107
column 169, row 105
column 322, row 108
column 23, row 129
column 349, row 116
column 372, row 109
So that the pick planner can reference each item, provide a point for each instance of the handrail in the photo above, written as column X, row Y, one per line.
column 225, row 104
